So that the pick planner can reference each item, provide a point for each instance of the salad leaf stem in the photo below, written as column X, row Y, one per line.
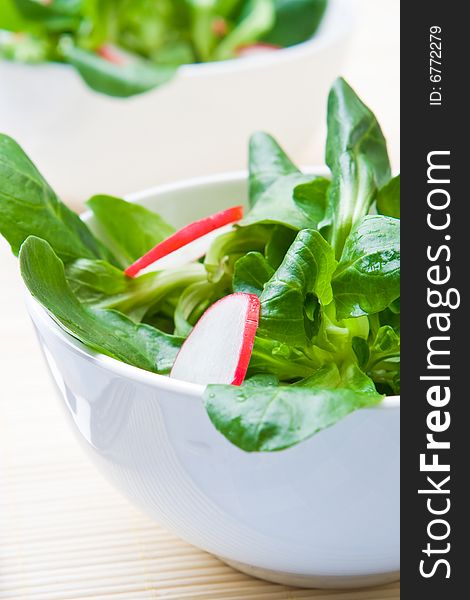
column 356, row 153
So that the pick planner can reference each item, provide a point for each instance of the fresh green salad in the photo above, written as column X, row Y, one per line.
column 307, row 279
column 126, row 47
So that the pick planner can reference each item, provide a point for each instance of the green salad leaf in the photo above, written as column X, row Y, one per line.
column 48, row 11
column 306, row 269
column 270, row 418
column 129, row 229
column 229, row 247
column 104, row 331
column 367, row 279
column 296, row 21
column 29, row 206
column 388, row 198
column 128, row 76
column 297, row 201
column 270, row 357
column 267, row 162
column 279, row 242
column 356, row 153
column 193, row 301
column 102, row 285
column 383, row 365
column 10, row 17
column 251, row 273
column 257, row 20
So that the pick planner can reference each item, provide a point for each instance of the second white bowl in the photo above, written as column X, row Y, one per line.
column 200, row 122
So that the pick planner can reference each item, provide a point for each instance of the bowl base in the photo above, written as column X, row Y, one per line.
column 314, row 581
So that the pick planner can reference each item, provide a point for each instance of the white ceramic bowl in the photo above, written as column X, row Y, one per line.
column 324, row 513
column 88, row 143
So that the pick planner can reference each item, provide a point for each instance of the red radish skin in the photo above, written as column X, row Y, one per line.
column 219, row 27
column 184, row 236
column 225, row 357
column 251, row 325
column 111, row 55
column 255, row 49
column 189, row 253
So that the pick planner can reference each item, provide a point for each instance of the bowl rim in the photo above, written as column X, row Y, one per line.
column 336, row 23
column 39, row 314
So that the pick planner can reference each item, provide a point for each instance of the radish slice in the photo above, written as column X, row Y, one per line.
column 218, row 349
column 112, row 55
column 184, row 236
column 255, row 49
column 219, row 27
column 186, row 254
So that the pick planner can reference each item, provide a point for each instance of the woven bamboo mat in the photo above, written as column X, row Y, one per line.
column 65, row 534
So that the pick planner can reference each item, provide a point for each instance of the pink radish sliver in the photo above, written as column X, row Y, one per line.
column 255, row 49
column 218, row 349
column 186, row 236
column 189, row 253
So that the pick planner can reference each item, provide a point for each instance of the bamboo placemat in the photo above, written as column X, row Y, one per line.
column 65, row 534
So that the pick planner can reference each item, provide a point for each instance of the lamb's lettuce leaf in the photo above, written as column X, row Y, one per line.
column 55, row 14
column 286, row 362
column 11, row 18
column 306, row 269
column 256, row 20
column 367, row 279
column 29, row 206
column 251, row 272
column 296, row 21
column 227, row 248
column 101, row 285
column 388, row 198
column 356, row 153
column 267, row 162
column 297, row 201
column 129, row 229
column 278, row 244
column 261, row 419
column 384, row 359
column 193, row 300
column 130, row 76
column 105, row 331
